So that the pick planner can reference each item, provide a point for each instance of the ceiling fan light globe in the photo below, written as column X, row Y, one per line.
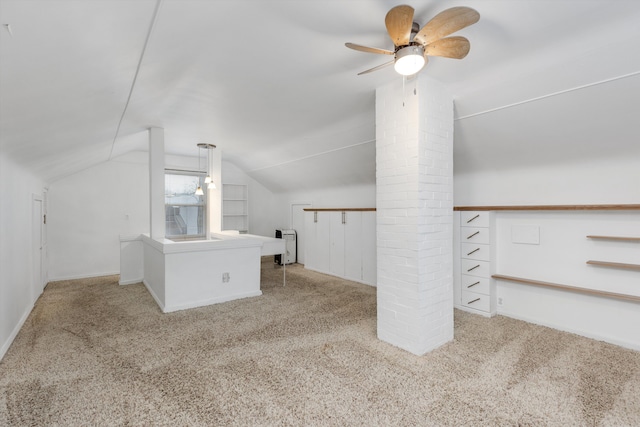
column 409, row 60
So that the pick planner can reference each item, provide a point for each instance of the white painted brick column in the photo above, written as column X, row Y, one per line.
column 156, row 183
column 414, row 201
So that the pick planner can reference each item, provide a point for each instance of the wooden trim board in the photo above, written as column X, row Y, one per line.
column 549, row 208
column 621, row 238
column 339, row 209
column 567, row 288
column 614, row 264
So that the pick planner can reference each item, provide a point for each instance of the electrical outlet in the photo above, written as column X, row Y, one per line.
column 499, row 301
column 225, row 277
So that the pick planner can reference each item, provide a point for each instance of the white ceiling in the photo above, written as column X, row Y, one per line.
column 273, row 86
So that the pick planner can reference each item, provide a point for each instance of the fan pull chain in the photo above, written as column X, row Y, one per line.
column 404, row 79
column 415, row 88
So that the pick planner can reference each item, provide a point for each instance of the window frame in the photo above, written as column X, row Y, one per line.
column 203, row 204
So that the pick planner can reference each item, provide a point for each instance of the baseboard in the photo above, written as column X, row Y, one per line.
column 131, row 282
column 375, row 285
column 169, row 309
column 622, row 343
column 14, row 332
column 83, row 276
column 153, row 295
column 471, row 310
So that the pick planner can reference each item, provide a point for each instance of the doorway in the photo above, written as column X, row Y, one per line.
column 37, row 244
column 297, row 223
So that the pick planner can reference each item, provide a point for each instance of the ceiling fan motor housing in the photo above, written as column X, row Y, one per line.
column 413, row 44
column 409, row 59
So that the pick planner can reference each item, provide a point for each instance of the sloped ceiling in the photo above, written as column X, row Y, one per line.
column 272, row 85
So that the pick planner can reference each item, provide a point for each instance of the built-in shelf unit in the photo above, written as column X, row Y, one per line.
column 469, row 214
column 235, row 209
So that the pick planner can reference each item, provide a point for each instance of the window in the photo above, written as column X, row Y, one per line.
column 185, row 211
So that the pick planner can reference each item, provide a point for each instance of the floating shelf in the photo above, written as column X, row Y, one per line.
column 549, row 208
column 568, row 288
column 621, row 238
column 614, row 264
column 339, row 209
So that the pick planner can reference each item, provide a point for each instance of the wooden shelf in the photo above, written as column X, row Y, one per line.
column 339, row 209
column 621, row 238
column 549, row 208
column 568, row 288
column 614, row 264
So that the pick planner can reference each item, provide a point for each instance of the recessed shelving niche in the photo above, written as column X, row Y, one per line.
column 235, row 209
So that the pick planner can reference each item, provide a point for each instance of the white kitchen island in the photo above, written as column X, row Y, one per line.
column 195, row 273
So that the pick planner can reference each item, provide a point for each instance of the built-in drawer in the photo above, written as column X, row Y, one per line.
column 475, row 235
column 477, row 251
column 476, row 301
column 475, row 268
column 475, row 284
column 474, row 219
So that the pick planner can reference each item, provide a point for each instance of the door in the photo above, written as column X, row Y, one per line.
column 37, row 220
column 298, row 224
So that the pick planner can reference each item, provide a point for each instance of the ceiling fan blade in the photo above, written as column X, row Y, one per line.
column 368, row 49
column 450, row 47
column 370, row 70
column 446, row 22
column 399, row 21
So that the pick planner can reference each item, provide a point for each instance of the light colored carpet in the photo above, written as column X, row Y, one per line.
column 95, row 353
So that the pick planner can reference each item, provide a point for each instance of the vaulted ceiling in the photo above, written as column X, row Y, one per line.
column 273, row 86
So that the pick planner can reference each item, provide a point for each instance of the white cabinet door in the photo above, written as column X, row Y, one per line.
column 337, row 243
column 311, row 247
column 353, row 245
column 342, row 244
column 317, row 245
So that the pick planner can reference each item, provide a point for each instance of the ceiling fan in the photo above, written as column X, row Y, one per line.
column 413, row 45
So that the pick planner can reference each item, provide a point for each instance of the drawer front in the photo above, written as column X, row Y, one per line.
column 477, row 251
column 475, row 268
column 475, row 284
column 476, row 301
column 474, row 219
column 474, row 235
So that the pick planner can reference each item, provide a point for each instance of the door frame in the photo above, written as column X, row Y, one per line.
column 300, row 249
column 37, row 227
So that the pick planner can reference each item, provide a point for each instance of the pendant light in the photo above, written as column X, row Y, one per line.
column 199, row 191
column 210, row 184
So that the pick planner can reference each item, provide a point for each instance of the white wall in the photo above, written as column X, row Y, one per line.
column 347, row 196
column 18, row 286
column 263, row 208
column 561, row 256
column 89, row 210
column 354, row 196
column 602, row 180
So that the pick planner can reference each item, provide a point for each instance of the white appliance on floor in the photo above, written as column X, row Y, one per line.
column 291, row 246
